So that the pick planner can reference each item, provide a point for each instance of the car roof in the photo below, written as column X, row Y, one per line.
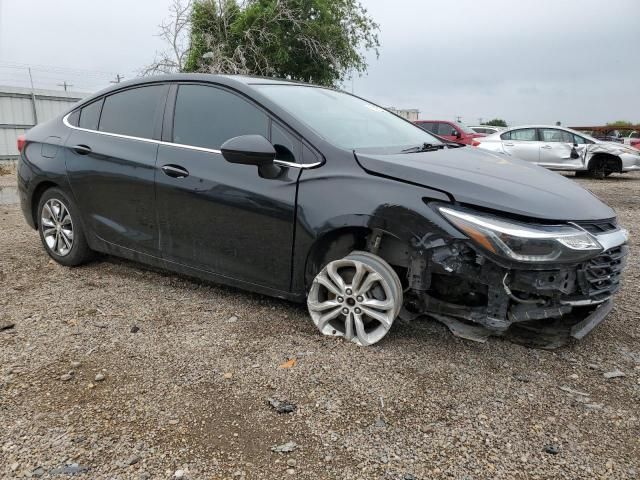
column 240, row 82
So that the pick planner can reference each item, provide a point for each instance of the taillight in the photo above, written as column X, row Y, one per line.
column 474, row 143
column 21, row 143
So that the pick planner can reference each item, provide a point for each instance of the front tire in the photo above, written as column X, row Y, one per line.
column 357, row 297
column 60, row 229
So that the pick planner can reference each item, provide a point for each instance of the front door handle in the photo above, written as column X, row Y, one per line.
column 546, row 147
column 508, row 144
column 175, row 171
column 81, row 149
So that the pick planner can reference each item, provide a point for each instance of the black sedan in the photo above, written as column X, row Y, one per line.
column 311, row 194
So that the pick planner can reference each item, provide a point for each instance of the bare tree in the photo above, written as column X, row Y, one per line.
column 174, row 31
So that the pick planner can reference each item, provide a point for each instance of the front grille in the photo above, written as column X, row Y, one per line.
column 600, row 226
column 601, row 276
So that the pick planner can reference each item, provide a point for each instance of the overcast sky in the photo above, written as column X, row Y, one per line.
column 528, row 61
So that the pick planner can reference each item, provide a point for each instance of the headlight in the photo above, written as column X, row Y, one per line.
column 524, row 242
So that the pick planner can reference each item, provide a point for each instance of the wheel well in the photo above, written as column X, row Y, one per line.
column 341, row 242
column 610, row 162
column 332, row 246
column 35, row 199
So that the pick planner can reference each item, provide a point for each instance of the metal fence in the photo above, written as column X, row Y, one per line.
column 23, row 108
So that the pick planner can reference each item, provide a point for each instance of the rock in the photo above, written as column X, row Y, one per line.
column 552, row 449
column 100, row 377
column 135, row 329
column 593, row 366
column 75, row 364
column 574, row 376
column 227, row 376
column 14, row 466
column 66, row 377
column 285, row 448
column 564, row 388
column 282, row 406
column 521, row 378
column 178, row 474
column 593, row 406
column 409, row 476
column 291, row 471
column 133, row 460
column 328, row 458
column 380, row 423
column 291, row 462
column 174, row 422
column 38, row 472
column 232, row 319
column 68, row 470
column 613, row 374
column 6, row 326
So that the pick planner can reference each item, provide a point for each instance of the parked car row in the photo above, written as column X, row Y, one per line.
column 552, row 147
column 314, row 195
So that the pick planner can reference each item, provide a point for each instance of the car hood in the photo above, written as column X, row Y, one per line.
column 476, row 177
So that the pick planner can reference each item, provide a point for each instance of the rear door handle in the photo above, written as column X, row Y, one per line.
column 82, row 149
column 508, row 144
column 175, row 171
column 546, row 147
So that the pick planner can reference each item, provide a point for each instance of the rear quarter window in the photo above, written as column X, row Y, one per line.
column 90, row 115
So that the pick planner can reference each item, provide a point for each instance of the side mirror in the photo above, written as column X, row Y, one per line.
column 249, row 150
column 455, row 133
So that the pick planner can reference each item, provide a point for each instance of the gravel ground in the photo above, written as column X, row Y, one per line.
column 116, row 371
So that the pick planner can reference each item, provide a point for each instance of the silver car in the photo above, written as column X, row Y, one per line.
column 559, row 148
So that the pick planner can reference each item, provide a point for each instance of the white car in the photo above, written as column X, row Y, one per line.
column 629, row 137
column 559, row 148
column 486, row 129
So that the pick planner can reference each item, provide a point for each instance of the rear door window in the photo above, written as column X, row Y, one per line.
column 524, row 134
column 90, row 115
column 133, row 112
column 209, row 116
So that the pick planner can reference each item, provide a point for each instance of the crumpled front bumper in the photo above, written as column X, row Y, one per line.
column 476, row 298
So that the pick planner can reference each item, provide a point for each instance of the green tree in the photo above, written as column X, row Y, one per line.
column 319, row 41
column 496, row 122
column 620, row 124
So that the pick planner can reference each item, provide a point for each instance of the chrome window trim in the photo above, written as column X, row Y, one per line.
column 281, row 163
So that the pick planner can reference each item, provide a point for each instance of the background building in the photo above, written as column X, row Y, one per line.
column 411, row 114
column 22, row 108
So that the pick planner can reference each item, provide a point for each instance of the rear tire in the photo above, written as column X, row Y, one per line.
column 61, row 230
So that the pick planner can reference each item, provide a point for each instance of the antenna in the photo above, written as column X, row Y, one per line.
column 65, row 85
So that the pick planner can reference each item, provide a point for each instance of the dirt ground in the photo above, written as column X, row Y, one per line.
column 115, row 371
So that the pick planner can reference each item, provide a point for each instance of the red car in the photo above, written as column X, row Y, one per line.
column 454, row 131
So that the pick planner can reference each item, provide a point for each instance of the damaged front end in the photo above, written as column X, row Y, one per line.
column 536, row 284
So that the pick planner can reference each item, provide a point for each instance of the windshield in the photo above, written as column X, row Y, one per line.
column 347, row 121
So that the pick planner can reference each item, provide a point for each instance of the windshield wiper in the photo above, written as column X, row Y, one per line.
column 425, row 147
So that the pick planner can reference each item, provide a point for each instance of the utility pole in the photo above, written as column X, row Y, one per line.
column 33, row 99
column 479, row 120
column 65, row 85
column 118, row 79
column 458, row 119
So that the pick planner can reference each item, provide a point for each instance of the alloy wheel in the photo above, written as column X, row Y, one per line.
column 357, row 297
column 57, row 227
